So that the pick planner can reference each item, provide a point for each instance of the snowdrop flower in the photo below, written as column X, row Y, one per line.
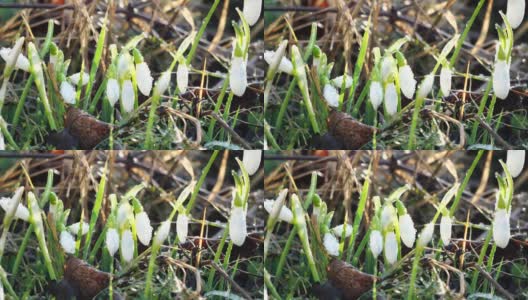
column 143, row 78
column 391, row 247
column 285, row 214
column 12, row 56
column 182, row 77
column 387, row 64
column 426, row 86
column 123, row 65
column 112, row 241
column 251, row 160
column 67, row 242
column 112, row 91
column 127, row 245
column 338, row 81
column 515, row 161
column 426, row 235
column 163, row 82
column 501, row 79
column 237, row 225
column 445, row 80
column 331, row 95
column 143, row 228
column 338, row 230
column 80, row 78
column 127, row 96
column 407, row 230
column 21, row 63
column 387, row 215
column 7, row 204
column 407, row 81
column 74, row 228
column 375, row 242
column 376, row 94
column 124, row 210
column 182, row 227
column 251, row 11
column 501, row 228
column 68, row 92
column 331, row 244
column 162, row 233
column 391, row 99
column 515, row 12
column 238, row 76
column 285, row 65
column 445, row 229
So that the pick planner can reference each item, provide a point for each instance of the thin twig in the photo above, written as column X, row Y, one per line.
column 499, row 288
column 233, row 283
column 497, row 137
column 231, row 131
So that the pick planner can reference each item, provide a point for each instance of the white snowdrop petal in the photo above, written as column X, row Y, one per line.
column 182, row 227
column 285, row 64
column 391, row 248
column 252, row 10
column 162, row 233
column 285, row 214
column 123, row 65
column 515, row 12
column 387, row 215
column 112, row 91
column 163, row 82
column 386, row 67
column 376, row 94
column 501, row 228
column 124, row 210
column 127, row 245
column 143, row 228
column 75, row 227
column 80, row 78
column 426, row 86
column 14, row 54
column 67, row 242
column 251, row 160
column 143, row 78
column 338, row 230
column 68, row 92
column 376, row 242
column 331, row 95
column 238, row 76
column 338, row 81
column 426, row 235
column 127, row 96
column 446, row 75
column 391, row 99
column 515, row 161
column 407, row 81
column 7, row 204
column 501, row 79
column 182, row 77
column 446, row 224
column 331, row 244
column 112, row 241
column 22, row 62
column 407, row 230
column 237, row 225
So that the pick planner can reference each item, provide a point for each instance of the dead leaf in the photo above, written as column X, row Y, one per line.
column 88, row 280
column 349, row 132
column 87, row 129
column 352, row 282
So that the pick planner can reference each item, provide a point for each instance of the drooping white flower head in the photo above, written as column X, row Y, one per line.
column 515, row 161
column 127, row 245
column 338, row 230
column 387, row 215
column 238, row 76
column 13, row 55
column 80, row 78
column 391, row 99
column 285, row 214
column 182, row 227
column 112, row 241
column 338, row 81
column 376, row 94
column 163, row 82
column 143, row 228
column 21, row 63
column 68, row 92
column 182, row 77
column 407, row 230
column 144, row 78
column 426, row 235
column 251, row 160
column 252, row 10
column 387, row 64
column 128, row 96
column 123, row 65
column 237, row 225
column 446, row 75
column 162, row 233
column 8, row 204
column 446, row 223
column 515, row 12
column 391, row 247
column 331, row 244
column 376, row 242
column 112, row 91
column 407, row 81
column 501, row 228
column 501, row 79
column 124, row 211
column 75, row 227
column 285, row 64
column 426, row 86
column 67, row 242
column 331, row 95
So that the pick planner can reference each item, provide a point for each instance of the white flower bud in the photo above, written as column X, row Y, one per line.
column 112, row 241
column 127, row 245
column 143, row 78
column 251, row 10
column 128, row 96
column 445, row 80
column 68, row 92
column 407, row 81
column 426, row 86
column 182, row 77
column 285, row 64
column 376, row 243
column 123, row 65
column 75, row 227
column 182, row 227
column 143, row 228
column 501, row 228
column 376, row 94
column 163, row 82
column 285, row 214
column 515, row 161
column 338, row 81
column 407, row 230
column 501, row 79
column 112, row 91
column 391, row 99
column 387, row 215
column 426, row 235
column 338, row 230
column 7, row 204
column 124, row 210
column 386, row 67
column 331, row 244
column 162, row 233
column 515, row 12
column 251, row 160
column 391, row 248
column 237, row 225
column 331, row 95
column 445, row 229
column 238, row 76
column 67, row 242
column 80, row 78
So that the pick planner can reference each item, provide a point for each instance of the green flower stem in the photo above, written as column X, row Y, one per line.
column 22, row 248
column 6, row 284
column 95, row 212
column 270, row 138
column 414, row 272
column 302, row 231
column 359, row 215
column 218, row 105
column 217, row 256
column 418, row 103
column 480, row 112
column 480, row 261
column 7, row 134
column 462, row 38
column 150, row 272
column 284, row 105
column 285, row 252
column 270, row 286
column 490, row 114
column 469, row 172
column 200, row 182
column 197, row 38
